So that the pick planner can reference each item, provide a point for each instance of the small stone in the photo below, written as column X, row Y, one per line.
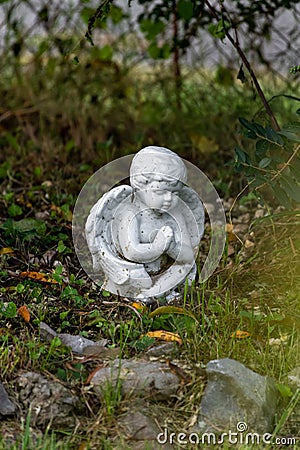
column 248, row 244
column 76, row 343
column 99, row 351
column 7, row 407
column 235, row 394
column 51, row 403
column 138, row 426
column 158, row 351
column 151, row 379
column 46, row 332
column 259, row 213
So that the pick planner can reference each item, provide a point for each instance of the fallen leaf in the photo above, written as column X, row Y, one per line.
column 162, row 335
column 231, row 236
column 139, row 306
column 24, row 312
column 6, row 251
column 38, row 277
column 171, row 310
column 239, row 334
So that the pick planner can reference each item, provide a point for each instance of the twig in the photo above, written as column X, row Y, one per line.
column 247, row 64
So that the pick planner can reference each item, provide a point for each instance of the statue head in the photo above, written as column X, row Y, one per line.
column 158, row 166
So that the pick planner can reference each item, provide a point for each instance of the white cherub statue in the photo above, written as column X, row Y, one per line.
column 145, row 236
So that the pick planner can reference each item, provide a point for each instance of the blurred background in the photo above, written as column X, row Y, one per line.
column 83, row 82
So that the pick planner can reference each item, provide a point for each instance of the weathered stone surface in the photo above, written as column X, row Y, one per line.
column 6, row 406
column 236, row 394
column 78, row 344
column 140, row 428
column 152, row 379
column 50, row 402
column 166, row 349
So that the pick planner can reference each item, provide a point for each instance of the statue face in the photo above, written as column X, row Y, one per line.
column 157, row 196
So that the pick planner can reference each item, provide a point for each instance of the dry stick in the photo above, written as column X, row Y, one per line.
column 176, row 63
column 247, row 64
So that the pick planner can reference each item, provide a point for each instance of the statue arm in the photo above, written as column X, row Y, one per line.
column 133, row 249
column 181, row 248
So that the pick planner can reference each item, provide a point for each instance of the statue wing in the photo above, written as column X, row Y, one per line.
column 193, row 202
column 100, row 241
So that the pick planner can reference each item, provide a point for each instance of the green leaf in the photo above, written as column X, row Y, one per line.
column 29, row 224
column 151, row 29
column 248, row 125
column 241, row 156
column 61, row 247
column 261, row 148
column 281, row 195
column 75, row 60
column 185, row 9
column 105, row 293
column 9, row 310
column 171, row 310
column 219, row 30
column 261, row 131
column 289, row 135
column 291, row 187
column 265, row 162
column 15, row 210
column 284, row 390
column 116, row 14
column 273, row 136
column 105, row 53
column 12, row 141
column 159, row 52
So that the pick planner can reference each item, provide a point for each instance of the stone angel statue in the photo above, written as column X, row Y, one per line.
column 145, row 237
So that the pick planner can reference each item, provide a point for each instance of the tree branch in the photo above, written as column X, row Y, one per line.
column 247, row 64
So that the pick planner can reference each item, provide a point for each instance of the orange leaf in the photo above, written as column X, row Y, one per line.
column 162, row 335
column 231, row 236
column 38, row 276
column 139, row 306
column 239, row 334
column 24, row 312
column 6, row 251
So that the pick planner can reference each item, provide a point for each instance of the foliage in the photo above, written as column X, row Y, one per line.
column 274, row 161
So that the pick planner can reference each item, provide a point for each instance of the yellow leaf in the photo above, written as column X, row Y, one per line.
column 139, row 306
column 6, row 251
column 38, row 277
column 231, row 236
column 162, row 335
column 24, row 312
column 239, row 334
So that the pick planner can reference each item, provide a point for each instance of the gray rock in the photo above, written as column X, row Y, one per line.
column 151, row 379
column 76, row 343
column 236, row 394
column 50, row 402
column 161, row 350
column 6, row 406
column 140, row 428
